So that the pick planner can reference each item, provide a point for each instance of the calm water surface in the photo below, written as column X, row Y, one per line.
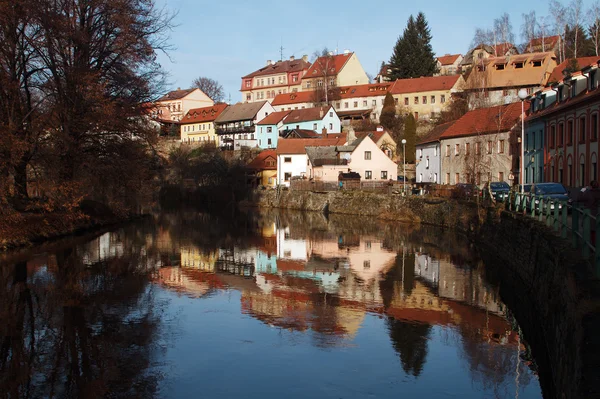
column 269, row 306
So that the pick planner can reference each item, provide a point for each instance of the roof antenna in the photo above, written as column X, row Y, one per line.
column 281, row 51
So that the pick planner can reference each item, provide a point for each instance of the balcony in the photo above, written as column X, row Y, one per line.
column 220, row 130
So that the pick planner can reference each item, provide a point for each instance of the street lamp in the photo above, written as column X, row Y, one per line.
column 404, row 162
column 522, row 96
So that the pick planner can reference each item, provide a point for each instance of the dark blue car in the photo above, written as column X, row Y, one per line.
column 550, row 192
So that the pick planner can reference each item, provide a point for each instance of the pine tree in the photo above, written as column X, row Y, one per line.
column 410, row 134
column 388, row 113
column 413, row 56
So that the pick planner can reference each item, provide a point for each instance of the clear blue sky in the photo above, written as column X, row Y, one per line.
column 228, row 39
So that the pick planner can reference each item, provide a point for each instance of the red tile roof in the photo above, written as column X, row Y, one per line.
column 274, row 118
column 206, row 114
column 259, row 163
column 418, row 85
column 582, row 62
column 502, row 48
column 448, row 59
column 536, row 44
column 435, row 134
column 297, row 146
column 375, row 136
column 307, row 114
column 287, row 66
column 293, row 98
column 486, row 120
column 176, row 94
column 584, row 96
column 368, row 90
column 327, row 65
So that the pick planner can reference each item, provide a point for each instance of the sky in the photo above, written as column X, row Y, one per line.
column 227, row 39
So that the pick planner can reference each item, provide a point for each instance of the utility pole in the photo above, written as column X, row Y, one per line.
column 281, row 51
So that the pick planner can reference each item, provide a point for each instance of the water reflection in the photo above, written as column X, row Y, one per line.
column 83, row 320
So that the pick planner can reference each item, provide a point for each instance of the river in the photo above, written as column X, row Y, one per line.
column 273, row 305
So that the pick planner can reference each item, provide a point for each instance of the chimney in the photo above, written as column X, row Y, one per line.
column 269, row 62
column 305, row 58
column 346, row 52
column 380, row 128
column 292, row 58
column 330, row 53
column 351, row 135
column 179, row 88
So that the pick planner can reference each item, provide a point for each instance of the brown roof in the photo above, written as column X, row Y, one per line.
column 328, row 65
column 448, row 59
column 296, row 146
column 274, row 118
column 435, row 134
column 176, row 94
column 502, row 48
column 293, row 98
column 375, row 136
column 510, row 76
column 287, row 66
column 367, row 90
column 307, row 114
column 240, row 112
column 549, row 41
column 259, row 163
column 206, row 114
column 429, row 83
column 485, row 120
column 300, row 134
column 582, row 62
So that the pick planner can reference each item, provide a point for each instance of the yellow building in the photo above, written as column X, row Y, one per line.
column 334, row 71
column 175, row 104
column 427, row 96
column 198, row 125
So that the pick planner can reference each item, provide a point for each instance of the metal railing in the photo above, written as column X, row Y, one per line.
column 572, row 222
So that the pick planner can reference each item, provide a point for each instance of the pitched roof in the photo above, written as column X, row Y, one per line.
column 176, row 94
column 307, row 114
column 501, row 49
column 529, row 75
column 274, row 118
column 287, row 66
column 293, row 98
column 570, row 102
column 497, row 119
column 205, row 114
column 320, row 155
column 435, row 133
column 549, row 43
column 259, row 163
column 375, row 136
column 429, row 83
column 240, row 112
column 327, row 65
column 367, row 90
column 300, row 134
column 448, row 59
column 297, row 146
column 582, row 62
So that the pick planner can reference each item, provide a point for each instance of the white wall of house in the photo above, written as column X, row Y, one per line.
column 429, row 165
column 289, row 248
column 380, row 166
column 289, row 165
column 330, row 121
column 374, row 103
column 291, row 107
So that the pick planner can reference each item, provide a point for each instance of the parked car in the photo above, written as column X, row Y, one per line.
column 499, row 190
column 552, row 192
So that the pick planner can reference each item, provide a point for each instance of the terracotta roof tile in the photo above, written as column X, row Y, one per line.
column 176, row 94
column 274, row 118
column 240, row 112
column 368, row 90
column 435, row 134
column 536, row 44
column 502, row 48
column 307, row 114
column 486, row 120
column 326, row 67
column 287, row 66
column 293, row 98
column 582, row 62
column 429, row 83
column 297, row 146
column 448, row 59
column 206, row 114
column 259, row 163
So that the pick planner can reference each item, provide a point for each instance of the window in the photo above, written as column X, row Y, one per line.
column 248, row 97
column 287, row 176
column 294, row 78
column 552, row 139
column 269, row 129
column 330, row 127
column 448, row 150
column 367, row 155
column 489, row 147
column 447, row 178
column 420, row 153
column 570, row 132
column 365, row 103
column 269, row 142
column 331, row 114
column 500, row 176
column 314, row 126
column 427, row 163
column 443, row 98
column 456, row 178
column 374, row 103
column 561, row 136
column 433, row 99
column 537, row 63
column 367, row 264
column 518, row 65
column 500, row 67
column 467, row 148
column 594, row 128
column 368, row 175
column 500, row 147
column 582, row 129
column 248, row 83
column 355, row 104
column 405, row 100
column 384, row 175
column 287, row 159
column 319, row 83
column 346, row 104
column 416, row 101
column 456, row 149
column 424, row 99
column 308, row 84
column 435, row 151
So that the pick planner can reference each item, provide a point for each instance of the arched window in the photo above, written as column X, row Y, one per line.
column 593, row 167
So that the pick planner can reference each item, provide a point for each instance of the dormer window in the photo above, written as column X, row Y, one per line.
column 593, row 79
column 536, row 63
column 500, row 67
column 518, row 65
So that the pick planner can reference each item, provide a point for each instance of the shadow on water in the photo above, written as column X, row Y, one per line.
column 94, row 318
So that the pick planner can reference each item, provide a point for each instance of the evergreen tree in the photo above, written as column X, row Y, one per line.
column 410, row 134
column 387, row 119
column 584, row 46
column 413, row 56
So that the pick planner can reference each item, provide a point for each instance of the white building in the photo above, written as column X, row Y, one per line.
column 429, row 161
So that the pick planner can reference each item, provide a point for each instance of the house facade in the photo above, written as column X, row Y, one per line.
column 274, row 78
column 429, row 159
column 175, row 104
column 383, row 139
column 198, row 124
column 449, row 64
column 236, row 125
column 562, row 128
column 359, row 102
column 477, row 147
column 497, row 80
column 267, row 130
column 315, row 119
column 334, row 71
column 263, row 169
column 293, row 101
column 425, row 97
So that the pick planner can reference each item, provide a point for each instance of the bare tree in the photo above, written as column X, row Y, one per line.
column 594, row 22
column 575, row 18
column 543, row 28
column 210, row 87
column 558, row 13
column 503, row 30
column 529, row 28
column 325, row 77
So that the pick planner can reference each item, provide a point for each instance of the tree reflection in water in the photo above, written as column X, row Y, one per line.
column 71, row 329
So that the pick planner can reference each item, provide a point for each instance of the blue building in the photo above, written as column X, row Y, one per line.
column 315, row 119
column 267, row 130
